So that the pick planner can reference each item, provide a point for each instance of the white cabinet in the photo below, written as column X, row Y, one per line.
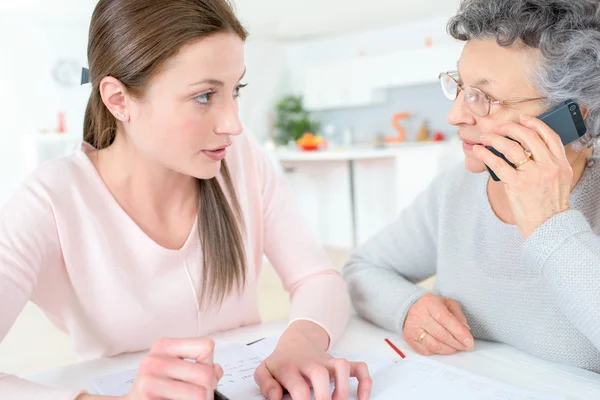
column 416, row 166
column 339, row 85
column 321, row 190
column 347, row 197
column 357, row 82
column 375, row 196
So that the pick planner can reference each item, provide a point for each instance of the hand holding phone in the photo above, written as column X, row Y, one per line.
column 565, row 119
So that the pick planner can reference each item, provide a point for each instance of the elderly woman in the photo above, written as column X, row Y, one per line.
column 517, row 261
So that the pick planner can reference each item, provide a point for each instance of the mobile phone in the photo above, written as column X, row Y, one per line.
column 565, row 119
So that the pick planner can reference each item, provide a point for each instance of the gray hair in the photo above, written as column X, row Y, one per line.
column 567, row 33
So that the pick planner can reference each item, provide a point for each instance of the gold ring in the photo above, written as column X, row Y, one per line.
column 528, row 157
column 425, row 333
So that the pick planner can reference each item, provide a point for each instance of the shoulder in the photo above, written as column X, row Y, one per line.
column 586, row 195
column 52, row 181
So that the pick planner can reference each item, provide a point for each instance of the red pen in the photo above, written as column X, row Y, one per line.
column 397, row 350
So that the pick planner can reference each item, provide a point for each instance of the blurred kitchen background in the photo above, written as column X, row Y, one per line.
column 343, row 94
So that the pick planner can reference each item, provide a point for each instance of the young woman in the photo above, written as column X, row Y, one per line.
column 152, row 234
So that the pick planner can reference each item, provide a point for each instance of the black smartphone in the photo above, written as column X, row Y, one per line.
column 565, row 119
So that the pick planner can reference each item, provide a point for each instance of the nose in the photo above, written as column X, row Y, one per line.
column 228, row 122
column 459, row 113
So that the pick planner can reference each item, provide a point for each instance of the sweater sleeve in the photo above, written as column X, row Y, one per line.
column 28, row 243
column 382, row 275
column 567, row 253
column 318, row 292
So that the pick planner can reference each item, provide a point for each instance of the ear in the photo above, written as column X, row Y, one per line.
column 113, row 96
column 584, row 112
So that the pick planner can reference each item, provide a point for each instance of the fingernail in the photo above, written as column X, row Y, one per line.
column 525, row 117
column 272, row 394
column 468, row 342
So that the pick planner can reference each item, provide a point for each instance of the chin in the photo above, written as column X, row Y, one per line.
column 208, row 171
column 473, row 164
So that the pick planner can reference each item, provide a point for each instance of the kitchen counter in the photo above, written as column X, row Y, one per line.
column 351, row 153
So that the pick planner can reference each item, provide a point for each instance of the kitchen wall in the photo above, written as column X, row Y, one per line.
column 424, row 102
column 31, row 96
column 268, row 79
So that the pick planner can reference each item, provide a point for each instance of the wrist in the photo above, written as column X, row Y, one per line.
column 528, row 231
column 308, row 330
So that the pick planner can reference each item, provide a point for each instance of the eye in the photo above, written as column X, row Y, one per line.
column 204, row 98
column 472, row 96
column 236, row 92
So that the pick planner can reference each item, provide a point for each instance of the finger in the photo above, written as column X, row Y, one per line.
column 511, row 149
column 162, row 388
column 500, row 167
column 218, row 371
column 360, row 371
column 445, row 318
column 441, row 334
column 437, row 347
column 551, row 139
column 341, row 371
column 528, row 138
column 456, row 310
column 318, row 376
column 196, row 349
column 416, row 346
column 269, row 387
column 291, row 379
column 197, row 374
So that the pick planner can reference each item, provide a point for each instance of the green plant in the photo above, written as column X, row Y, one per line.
column 292, row 120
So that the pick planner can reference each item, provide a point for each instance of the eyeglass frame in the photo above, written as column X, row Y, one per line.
column 490, row 100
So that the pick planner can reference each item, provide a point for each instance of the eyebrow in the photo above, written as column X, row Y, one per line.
column 484, row 81
column 480, row 81
column 215, row 82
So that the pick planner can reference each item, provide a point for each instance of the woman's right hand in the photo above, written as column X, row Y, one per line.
column 437, row 325
column 164, row 374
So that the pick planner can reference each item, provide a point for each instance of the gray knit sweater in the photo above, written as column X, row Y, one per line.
column 541, row 295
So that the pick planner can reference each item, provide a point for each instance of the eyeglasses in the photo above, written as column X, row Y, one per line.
column 478, row 102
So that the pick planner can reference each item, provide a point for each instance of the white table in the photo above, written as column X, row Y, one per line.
column 493, row 360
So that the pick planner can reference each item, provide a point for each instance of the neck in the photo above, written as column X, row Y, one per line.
column 578, row 161
column 144, row 183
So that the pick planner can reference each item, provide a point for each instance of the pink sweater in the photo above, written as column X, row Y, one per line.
column 66, row 245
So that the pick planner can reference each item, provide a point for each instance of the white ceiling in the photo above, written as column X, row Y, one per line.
column 298, row 19
column 282, row 19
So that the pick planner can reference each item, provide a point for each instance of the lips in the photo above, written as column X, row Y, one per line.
column 468, row 145
column 217, row 153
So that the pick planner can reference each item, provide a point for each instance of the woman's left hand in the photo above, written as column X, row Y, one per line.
column 539, row 188
column 301, row 362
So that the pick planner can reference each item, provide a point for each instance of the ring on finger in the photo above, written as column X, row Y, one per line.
column 528, row 157
column 422, row 336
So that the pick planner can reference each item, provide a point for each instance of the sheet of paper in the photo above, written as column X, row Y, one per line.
column 239, row 363
column 116, row 384
column 421, row 378
column 413, row 378
column 237, row 360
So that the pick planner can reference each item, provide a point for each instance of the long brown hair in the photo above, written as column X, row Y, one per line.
column 131, row 40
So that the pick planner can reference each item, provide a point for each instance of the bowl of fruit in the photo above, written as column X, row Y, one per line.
column 311, row 142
